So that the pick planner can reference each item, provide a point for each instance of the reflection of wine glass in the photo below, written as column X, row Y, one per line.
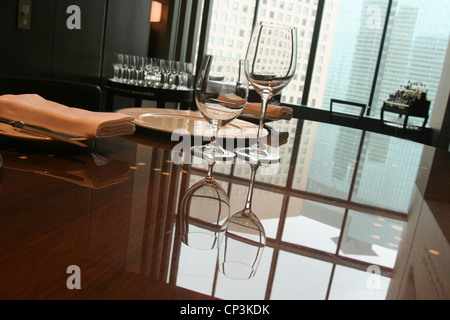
column 244, row 239
column 221, row 93
column 270, row 65
column 204, row 209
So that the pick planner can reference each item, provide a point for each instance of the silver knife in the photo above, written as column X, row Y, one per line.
column 52, row 135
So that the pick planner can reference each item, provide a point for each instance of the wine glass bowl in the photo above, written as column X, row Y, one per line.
column 221, row 94
column 204, row 209
column 270, row 65
column 242, row 246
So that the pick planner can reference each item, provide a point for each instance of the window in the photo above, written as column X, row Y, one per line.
column 350, row 62
column 415, row 47
column 351, row 42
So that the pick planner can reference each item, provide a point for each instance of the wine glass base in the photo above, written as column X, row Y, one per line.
column 237, row 270
column 256, row 156
column 212, row 153
column 201, row 240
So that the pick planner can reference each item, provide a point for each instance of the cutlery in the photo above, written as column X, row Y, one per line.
column 42, row 132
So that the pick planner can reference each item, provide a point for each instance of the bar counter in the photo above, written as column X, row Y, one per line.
column 348, row 214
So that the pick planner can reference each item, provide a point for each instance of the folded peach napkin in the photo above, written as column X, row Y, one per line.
column 273, row 112
column 254, row 108
column 233, row 98
column 34, row 110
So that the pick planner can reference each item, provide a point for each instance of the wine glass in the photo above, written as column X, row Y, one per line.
column 270, row 64
column 165, row 67
column 148, row 66
column 188, row 78
column 173, row 72
column 117, row 65
column 244, row 239
column 124, row 69
column 129, row 64
column 139, row 63
column 155, row 73
column 204, row 209
column 221, row 92
column 181, row 75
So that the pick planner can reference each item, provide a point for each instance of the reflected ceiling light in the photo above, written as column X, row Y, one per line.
column 155, row 14
column 434, row 252
column 377, row 225
column 398, row 228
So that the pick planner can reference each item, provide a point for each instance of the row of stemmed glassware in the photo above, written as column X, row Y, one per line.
column 152, row 72
column 221, row 93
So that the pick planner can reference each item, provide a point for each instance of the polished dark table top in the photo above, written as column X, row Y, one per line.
column 348, row 215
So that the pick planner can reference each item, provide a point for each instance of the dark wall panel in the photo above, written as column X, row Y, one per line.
column 127, row 30
column 51, row 50
column 26, row 52
column 77, row 53
column 8, row 22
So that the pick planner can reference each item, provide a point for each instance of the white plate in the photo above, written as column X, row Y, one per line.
column 191, row 123
column 10, row 131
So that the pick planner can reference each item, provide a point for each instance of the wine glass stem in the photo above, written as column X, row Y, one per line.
column 248, row 203
column 265, row 98
column 209, row 175
column 215, row 126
